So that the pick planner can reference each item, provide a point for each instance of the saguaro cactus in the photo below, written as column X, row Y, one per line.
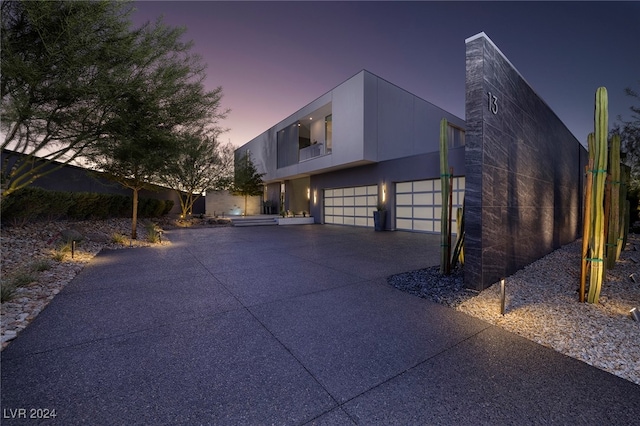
column 599, row 175
column 613, row 230
column 625, row 209
column 586, row 223
column 445, row 256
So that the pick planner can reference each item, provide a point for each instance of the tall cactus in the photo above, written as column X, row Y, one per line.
column 625, row 209
column 613, row 231
column 599, row 176
column 586, row 222
column 445, row 255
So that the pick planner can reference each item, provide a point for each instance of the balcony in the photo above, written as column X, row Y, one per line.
column 311, row 151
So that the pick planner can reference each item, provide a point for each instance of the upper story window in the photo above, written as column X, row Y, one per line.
column 455, row 136
column 307, row 138
column 328, row 133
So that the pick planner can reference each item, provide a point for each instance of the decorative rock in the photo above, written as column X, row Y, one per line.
column 8, row 336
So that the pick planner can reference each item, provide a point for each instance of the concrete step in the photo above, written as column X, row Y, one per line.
column 254, row 221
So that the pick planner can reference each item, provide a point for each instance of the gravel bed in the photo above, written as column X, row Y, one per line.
column 542, row 305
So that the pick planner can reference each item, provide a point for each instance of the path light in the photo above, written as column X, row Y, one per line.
column 502, row 297
column 635, row 315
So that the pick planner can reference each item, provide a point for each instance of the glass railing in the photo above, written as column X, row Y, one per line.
column 311, row 151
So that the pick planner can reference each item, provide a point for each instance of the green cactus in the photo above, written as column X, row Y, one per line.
column 458, row 250
column 625, row 210
column 599, row 176
column 586, row 223
column 445, row 266
column 613, row 230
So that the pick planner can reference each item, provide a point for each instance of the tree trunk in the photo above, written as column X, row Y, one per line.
column 134, row 218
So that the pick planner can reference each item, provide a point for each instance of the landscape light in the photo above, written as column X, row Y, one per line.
column 635, row 315
column 502, row 296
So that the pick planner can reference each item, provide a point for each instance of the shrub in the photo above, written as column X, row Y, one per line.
column 168, row 205
column 21, row 279
column 41, row 265
column 33, row 203
column 7, row 291
column 117, row 238
column 59, row 254
column 153, row 235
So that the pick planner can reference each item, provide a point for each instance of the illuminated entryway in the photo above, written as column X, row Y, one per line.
column 350, row 206
column 419, row 204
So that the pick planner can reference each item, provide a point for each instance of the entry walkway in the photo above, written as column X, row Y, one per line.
column 285, row 325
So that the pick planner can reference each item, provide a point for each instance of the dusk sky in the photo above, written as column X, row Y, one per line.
column 273, row 58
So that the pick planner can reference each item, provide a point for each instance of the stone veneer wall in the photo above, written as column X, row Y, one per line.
column 524, row 170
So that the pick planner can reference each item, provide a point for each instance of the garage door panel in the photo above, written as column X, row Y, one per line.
column 422, row 211
column 423, row 186
column 423, row 225
column 422, row 199
column 351, row 206
column 404, row 211
column 361, row 211
column 404, row 223
column 404, row 199
column 404, row 187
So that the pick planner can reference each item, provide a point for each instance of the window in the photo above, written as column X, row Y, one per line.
column 328, row 132
column 455, row 136
column 288, row 146
column 307, row 138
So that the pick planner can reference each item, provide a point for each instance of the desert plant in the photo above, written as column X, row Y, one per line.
column 7, row 291
column 458, row 251
column 613, row 229
column 117, row 238
column 599, row 171
column 57, row 255
column 22, row 278
column 586, row 223
column 445, row 183
column 41, row 265
column 60, row 253
column 153, row 234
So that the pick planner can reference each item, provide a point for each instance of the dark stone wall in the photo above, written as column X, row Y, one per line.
column 71, row 178
column 524, row 171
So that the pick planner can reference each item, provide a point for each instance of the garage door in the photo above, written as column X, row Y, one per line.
column 419, row 204
column 350, row 206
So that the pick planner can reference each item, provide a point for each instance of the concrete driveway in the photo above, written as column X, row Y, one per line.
column 285, row 325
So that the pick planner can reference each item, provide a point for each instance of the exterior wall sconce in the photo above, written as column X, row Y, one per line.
column 384, row 193
column 308, row 193
column 315, row 197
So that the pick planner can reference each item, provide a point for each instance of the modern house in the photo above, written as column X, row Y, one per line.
column 369, row 142
column 365, row 143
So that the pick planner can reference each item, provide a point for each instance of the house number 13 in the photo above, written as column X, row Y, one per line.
column 493, row 103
